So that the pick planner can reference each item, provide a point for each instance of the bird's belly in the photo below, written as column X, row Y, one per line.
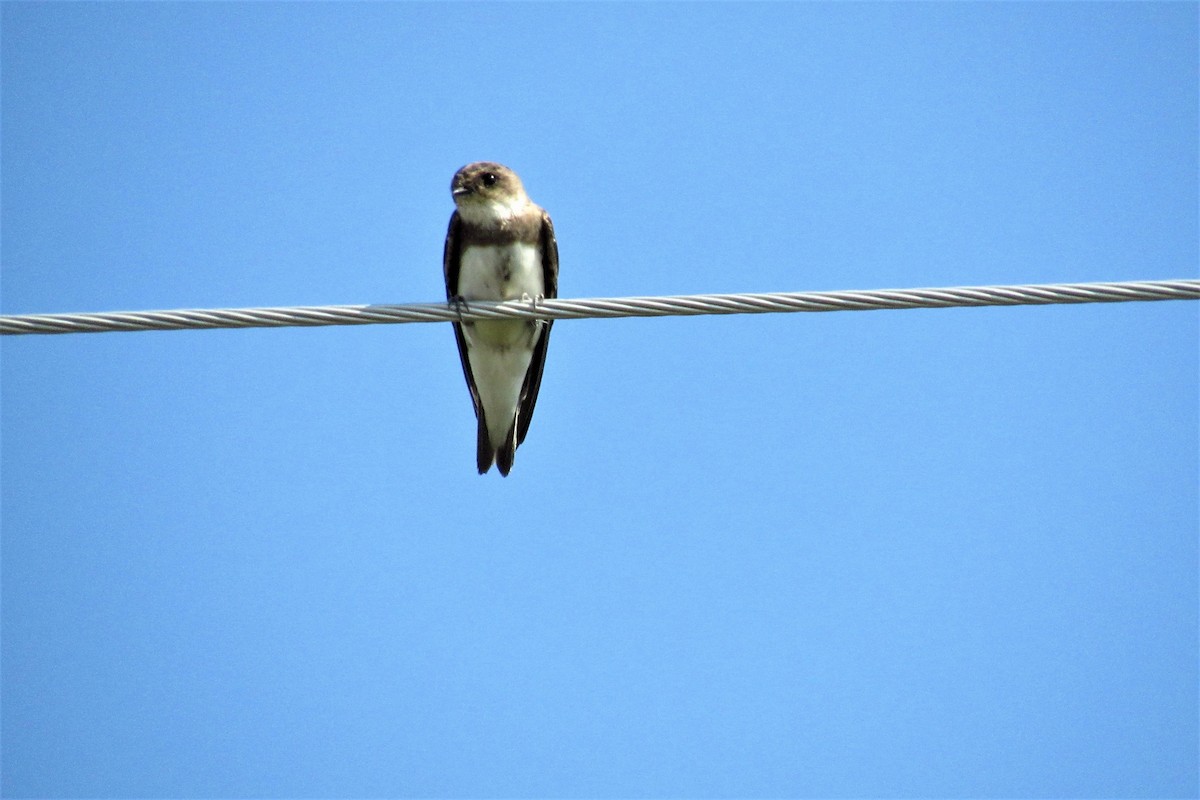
column 501, row 334
column 499, row 369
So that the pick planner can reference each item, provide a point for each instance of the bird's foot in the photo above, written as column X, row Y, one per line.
column 536, row 300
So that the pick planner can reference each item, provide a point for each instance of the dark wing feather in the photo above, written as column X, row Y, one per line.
column 533, row 378
column 452, row 254
column 549, row 256
column 451, row 259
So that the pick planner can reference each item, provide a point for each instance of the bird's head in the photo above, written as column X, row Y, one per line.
column 486, row 189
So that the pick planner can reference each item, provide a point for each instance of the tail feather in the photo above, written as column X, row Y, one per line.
column 507, row 451
column 484, row 452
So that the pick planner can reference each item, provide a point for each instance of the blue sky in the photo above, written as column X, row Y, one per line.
column 892, row 554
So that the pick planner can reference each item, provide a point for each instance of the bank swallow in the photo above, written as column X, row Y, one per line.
column 500, row 246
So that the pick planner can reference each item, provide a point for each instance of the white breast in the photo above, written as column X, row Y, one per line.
column 501, row 272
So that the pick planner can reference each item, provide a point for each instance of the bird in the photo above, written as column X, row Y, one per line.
column 500, row 246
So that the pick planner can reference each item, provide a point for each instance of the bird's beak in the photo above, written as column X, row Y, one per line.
column 459, row 191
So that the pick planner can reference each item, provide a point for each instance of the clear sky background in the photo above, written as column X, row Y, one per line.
column 896, row 554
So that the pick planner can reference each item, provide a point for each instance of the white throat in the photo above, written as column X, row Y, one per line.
column 494, row 211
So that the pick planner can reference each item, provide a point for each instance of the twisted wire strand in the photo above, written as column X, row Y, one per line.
column 604, row 307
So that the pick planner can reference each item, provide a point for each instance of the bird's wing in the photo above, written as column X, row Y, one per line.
column 451, row 260
column 533, row 377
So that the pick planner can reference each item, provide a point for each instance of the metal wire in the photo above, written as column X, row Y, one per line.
column 680, row 305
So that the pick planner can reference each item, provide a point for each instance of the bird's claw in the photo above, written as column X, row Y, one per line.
column 536, row 299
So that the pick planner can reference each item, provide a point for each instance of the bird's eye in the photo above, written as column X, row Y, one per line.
column 489, row 179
